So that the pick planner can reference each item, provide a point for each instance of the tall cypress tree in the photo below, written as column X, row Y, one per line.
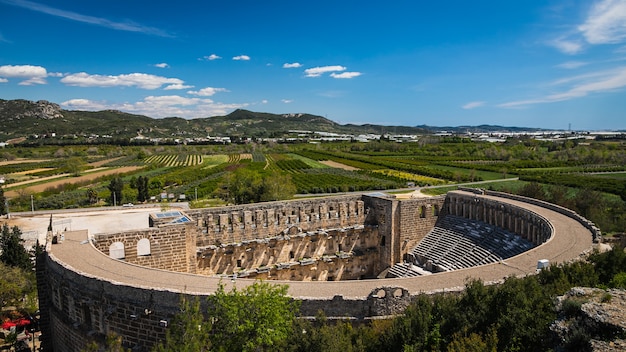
column 3, row 201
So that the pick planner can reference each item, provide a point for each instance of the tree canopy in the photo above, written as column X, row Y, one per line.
column 13, row 252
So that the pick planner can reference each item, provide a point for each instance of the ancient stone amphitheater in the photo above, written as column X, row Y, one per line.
column 352, row 257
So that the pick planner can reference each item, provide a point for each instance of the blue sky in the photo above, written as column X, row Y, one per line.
column 529, row 63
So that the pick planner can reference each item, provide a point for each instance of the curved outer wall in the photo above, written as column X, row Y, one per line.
column 81, row 303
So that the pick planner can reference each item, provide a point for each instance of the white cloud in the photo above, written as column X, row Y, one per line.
column 264, row 101
column 139, row 80
column 210, row 57
column 207, row 92
column 160, row 106
column 606, row 23
column 345, row 75
column 473, row 105
column 177, row 86
column 570, row 65
column 292, row 65
column 55, row 74
column 3, row 80
column 84, row 104
column 567, row 46
column 320, row 70
column 28, row 73
column 287, row 101
column 241, row 58
column 162, row 65
column 583, row 85
column 98, row 21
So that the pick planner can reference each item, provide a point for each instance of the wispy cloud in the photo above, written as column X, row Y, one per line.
column 473, row 105
column 177, row 86
column 210, row 57
column 160, row 106
column 162, row 65
column 581, row 86
column 127, row 26
column 139, row 80
column 29, row 74
column 606, row 22
column 287, row 101
column 320, row 70
column 292, row 65
column 345, row 75
column 207, row 92
column 567, row 46
column 570, row 65
column 3, row 80
column 241, row 58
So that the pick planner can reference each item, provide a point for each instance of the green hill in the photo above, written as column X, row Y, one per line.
column 23, row 118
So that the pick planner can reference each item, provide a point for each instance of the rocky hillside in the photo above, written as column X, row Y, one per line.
column 591, row 320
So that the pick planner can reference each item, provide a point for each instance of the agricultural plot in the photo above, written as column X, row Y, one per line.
column 418, row 179
column 171, row 160
column 338, row 180
column 210, row 161
column 310, row 162
column 478, row 175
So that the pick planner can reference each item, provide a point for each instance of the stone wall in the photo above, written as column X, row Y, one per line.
column 235, row 224
column 169, row 248
column 348, row 237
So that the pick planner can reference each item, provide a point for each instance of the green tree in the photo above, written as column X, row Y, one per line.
column 115, row 187
column 248, row 186
column 188, row 330
column 92, row 196
column 143, row 193
column 73, row 166
column 259, row 317
column 13, row 252
column 3, row 202
column 15, row 284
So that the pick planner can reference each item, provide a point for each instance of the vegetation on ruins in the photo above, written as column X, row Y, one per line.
column 259, row 317
column 515, row 315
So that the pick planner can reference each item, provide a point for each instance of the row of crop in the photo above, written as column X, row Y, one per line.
column 337, row 180
column 603, row 184
column 418, row 179
column 377, row 163
column 174, row 160
column 291, row 165
column 234, row 158
column 21, row 167
column 310, row 162
column 258, row 157
column 349, row 161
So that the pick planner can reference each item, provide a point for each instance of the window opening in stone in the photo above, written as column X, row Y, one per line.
column 116, row 250
column 143, row 247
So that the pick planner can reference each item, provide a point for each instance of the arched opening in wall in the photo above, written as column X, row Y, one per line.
column 291, row 255
column 382, row 241
column 423, row 211
column 116, row 250
column 143, row 247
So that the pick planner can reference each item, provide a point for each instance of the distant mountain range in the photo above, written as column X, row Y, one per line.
column 24, row 118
